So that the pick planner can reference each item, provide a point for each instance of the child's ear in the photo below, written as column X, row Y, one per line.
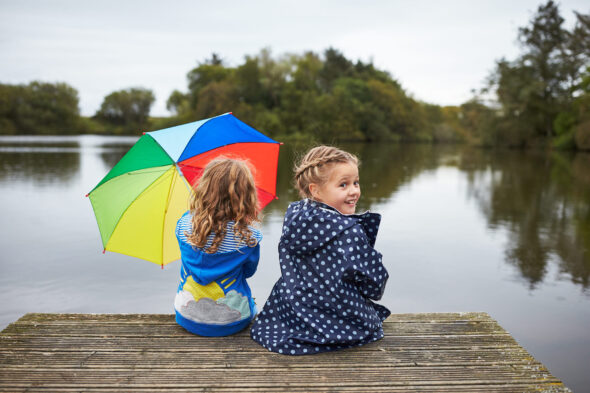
column 313, row 190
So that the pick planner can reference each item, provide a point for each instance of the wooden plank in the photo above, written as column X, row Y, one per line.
column 451, row 352
column 174, row 330
column 153, row 359
column 241, row 343
column 474, row 388
column 271, row 377
column 169, row 318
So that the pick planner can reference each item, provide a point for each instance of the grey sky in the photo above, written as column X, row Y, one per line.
column 438, row 50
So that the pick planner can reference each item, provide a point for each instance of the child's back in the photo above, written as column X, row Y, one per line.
column 329, row 272
column 213, row 297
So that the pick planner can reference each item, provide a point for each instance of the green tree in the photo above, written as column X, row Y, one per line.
column 478, row 123
column 39, row 108
column 581, row 114
column 216, row 98
column 306, row 74
column 299, row 92
column 177, row 103
column 543, row 82
column 127, row 110
column 207, row 72
column 396, row 108
column 324, row 97
column 248, row 81
column 335, row 66
column 9, row 96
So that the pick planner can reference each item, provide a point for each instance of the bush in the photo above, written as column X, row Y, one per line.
column 582, row 135
column 565, row 141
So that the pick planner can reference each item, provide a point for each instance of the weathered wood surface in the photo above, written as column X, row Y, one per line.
column 454, row 352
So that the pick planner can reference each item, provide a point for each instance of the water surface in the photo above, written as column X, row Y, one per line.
column 504, row 232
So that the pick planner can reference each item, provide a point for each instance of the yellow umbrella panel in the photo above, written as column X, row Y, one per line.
column 137, row 208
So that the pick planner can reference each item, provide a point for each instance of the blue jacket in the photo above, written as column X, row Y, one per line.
column 330, row 275
column 213, row 297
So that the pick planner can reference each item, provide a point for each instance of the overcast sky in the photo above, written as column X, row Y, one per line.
column 438, row 50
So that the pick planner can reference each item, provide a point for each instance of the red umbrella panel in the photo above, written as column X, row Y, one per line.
column 262, row 158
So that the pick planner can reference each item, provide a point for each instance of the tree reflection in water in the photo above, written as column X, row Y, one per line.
column 542, row 200
column 42, row 164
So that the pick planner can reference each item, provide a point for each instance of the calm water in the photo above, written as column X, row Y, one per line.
column 507, row 233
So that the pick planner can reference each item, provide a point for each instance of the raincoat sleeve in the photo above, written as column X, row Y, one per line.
column 364, row 267
column 251, row 264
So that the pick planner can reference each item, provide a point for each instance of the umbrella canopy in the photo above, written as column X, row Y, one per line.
column 138, row 203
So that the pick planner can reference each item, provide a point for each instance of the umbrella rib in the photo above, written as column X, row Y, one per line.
column 133, row 173
column 154, row 184
column 188, row 187
column 172, row 183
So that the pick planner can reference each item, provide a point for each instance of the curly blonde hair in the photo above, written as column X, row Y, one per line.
column 313, row 167
column 226, row 192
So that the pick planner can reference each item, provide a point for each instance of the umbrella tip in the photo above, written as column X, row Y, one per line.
column 231, row 113
column 105, row 250
column 281, row 143
column 86, row 195
column 143, row 133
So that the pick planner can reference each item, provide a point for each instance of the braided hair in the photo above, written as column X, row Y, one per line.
column 313, row 167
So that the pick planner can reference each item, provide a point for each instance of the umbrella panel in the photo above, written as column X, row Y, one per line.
column 146, row 229
column 145, row 153
column 262, row 159
column 221, row 131
column 112, row 199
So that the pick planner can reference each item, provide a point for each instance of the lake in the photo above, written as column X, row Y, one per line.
column 463, row 229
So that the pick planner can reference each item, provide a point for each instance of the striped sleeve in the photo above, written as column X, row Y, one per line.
column 183, row 227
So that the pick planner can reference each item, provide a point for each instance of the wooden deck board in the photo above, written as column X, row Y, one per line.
column 450, row 352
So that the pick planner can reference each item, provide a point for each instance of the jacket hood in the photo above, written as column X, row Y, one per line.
column 310, row 225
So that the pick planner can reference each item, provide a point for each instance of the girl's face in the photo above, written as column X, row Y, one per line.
column 342, row 190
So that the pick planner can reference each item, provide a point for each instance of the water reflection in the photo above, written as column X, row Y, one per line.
column 40, row 165
column 542, row 200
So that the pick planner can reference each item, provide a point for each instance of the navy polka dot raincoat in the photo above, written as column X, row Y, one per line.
column 330, row 275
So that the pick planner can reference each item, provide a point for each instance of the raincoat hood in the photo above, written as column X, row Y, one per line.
column 310, row 225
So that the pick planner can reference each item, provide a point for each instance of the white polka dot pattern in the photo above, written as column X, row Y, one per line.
column 330, row 273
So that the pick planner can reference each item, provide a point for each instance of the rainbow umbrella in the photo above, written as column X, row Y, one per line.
column 138, row 203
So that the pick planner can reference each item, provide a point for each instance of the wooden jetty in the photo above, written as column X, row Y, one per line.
column 456, row 352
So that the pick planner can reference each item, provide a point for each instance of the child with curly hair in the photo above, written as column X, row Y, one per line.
column 219, row 250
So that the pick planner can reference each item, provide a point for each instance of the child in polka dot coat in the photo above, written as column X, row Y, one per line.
column 330, row 272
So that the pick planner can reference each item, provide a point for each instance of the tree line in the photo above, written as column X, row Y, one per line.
column 540, row 98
